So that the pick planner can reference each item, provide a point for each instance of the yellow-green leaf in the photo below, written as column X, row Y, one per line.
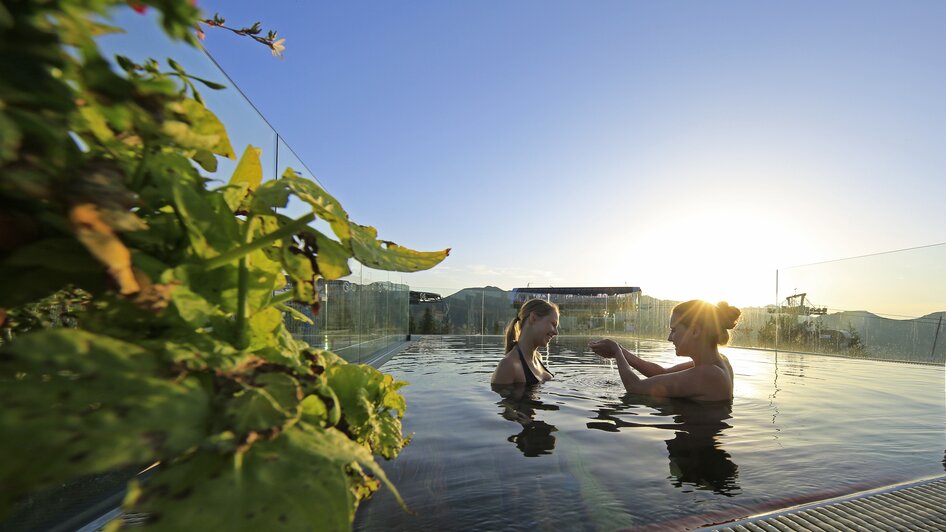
column 323, row 204
column 97, row 123
column 385, row 255
column 203, row 129
column 249, row 170
column 206, row 160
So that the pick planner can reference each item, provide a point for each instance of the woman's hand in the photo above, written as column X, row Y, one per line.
column 607, row 348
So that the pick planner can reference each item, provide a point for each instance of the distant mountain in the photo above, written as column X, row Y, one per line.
column 470, row 311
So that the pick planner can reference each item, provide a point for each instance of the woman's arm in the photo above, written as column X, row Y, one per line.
column 628, row 377
column 668, row 385
column 610, row 348
column 703, row 383
column 650, row 369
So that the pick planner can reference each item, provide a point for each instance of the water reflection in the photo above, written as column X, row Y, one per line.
column 519, row 403
column 696, row 458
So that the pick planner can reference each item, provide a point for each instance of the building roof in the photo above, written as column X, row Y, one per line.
column 578, row 290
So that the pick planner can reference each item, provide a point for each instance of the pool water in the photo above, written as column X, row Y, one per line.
column 577, row 453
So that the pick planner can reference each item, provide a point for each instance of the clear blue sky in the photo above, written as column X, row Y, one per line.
column 690, row 148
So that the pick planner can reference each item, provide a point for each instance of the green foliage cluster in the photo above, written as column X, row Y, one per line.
column 177, row 352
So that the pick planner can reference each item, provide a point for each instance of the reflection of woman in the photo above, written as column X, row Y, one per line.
column 694, row 452
column 533, row 327
column 519, row 404
column 697, row 329
column 695, row 455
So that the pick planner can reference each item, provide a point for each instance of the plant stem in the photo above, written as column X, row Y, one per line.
column 243, row 277
column 225, row 258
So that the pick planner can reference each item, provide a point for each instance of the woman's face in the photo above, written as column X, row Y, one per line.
column 545, row 328
column 681, row 336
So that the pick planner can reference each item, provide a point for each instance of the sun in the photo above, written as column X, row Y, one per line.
column 710, row 254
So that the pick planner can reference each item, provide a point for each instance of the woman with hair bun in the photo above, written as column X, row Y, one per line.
column 534, row 326
column 697, row 329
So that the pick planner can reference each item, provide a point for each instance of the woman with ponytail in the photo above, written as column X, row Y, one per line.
column 697, row 329
column 534, row 326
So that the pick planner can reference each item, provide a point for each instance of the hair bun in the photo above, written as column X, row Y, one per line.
column 727, row 314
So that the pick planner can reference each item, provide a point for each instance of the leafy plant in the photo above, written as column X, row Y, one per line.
column 176, row 351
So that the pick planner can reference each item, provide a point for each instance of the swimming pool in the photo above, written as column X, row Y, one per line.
column 577, row 454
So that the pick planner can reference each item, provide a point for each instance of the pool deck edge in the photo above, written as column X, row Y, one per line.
column 875, row 509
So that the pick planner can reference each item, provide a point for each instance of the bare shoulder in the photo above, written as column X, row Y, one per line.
column 715, row 383
column 509, row 371
column 729, row 370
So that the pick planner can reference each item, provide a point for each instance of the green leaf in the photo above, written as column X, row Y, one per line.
column 298, row 267
column 194, row 309
column 126, row 64
column 98, row 29
column 174, row 64
column 314, row 411
column 206, row 159
column 203, row 129
column 385, row 255
column 234, row 195
column 367, row 397
column 208, row 219
column 208, row 83
column 272, row 403
column 185, row 136
column 76, row 403
column 253, row 409
column 298, row 480
column 295, row 314
column 323, row 204
column 263, row 326
column 270, row 195
column 284, row 389
column 96, row 123
column 332, row 257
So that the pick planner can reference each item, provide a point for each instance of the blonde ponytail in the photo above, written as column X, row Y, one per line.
column 539, row 307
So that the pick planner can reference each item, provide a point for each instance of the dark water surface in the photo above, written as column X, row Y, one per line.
column 578, row 454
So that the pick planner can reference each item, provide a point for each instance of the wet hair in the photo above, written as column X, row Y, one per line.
column 540, row 307
column 716, row 320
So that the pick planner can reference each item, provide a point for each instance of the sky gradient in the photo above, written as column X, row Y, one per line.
column 690, row 148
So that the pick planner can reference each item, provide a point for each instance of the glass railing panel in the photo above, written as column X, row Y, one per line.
column 384, row 312
column 367, row 317
column 488, row 311
column 888, row 306
column 755, row 304
column 342, row 307
column 286, row 158
column 434, row 310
